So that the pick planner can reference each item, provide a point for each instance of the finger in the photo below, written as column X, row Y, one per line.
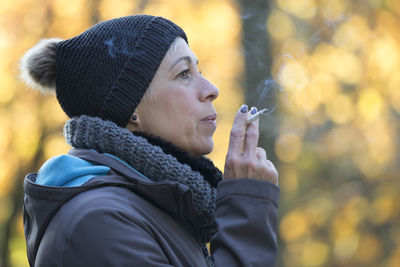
column 238, row 132
column 251, row 139
column 273, row 173
column 261, row 154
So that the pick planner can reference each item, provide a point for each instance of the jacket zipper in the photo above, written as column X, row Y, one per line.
column 209, row 260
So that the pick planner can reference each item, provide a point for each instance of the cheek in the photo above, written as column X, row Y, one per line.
column 171, row 114
column 179, row 105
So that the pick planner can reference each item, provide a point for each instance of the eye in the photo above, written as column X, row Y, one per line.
column 184, row 74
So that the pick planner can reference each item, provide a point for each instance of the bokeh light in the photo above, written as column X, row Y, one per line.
column 335, row 125
column 339, row 68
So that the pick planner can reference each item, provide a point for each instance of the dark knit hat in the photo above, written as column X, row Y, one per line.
column 105, row 71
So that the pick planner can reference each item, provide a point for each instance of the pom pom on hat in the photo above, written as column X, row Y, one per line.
column 38, row 65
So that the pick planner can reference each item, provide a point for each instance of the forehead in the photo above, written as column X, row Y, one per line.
column 178, row 49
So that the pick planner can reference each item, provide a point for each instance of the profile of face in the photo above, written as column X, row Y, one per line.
column 179, row 106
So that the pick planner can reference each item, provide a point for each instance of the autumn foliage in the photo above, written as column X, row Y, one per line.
column 335, row 78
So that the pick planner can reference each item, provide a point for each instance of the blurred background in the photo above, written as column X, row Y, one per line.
column 328, row 71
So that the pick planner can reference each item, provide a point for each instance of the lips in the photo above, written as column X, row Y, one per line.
column 209, row 118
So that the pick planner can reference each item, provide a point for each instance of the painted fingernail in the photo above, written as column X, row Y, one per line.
column 253, row 110
column 244, row 108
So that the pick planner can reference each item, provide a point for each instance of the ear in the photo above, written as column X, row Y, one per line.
column 134, row 123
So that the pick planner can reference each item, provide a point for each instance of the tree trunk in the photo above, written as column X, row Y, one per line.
column 258, row 86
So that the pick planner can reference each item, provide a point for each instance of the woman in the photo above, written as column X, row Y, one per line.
column 136, row 189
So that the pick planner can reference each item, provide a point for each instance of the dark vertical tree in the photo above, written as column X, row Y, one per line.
column 259, row 89
column 94, row 6
column 257, row 74
column 255, row 45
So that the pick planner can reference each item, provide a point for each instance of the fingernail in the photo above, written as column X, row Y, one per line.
column 244, row 108
column 253, row 110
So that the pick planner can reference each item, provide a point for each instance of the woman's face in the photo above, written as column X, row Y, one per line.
column 179, row 108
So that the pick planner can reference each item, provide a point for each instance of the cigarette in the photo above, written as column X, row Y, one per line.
column 255, row 116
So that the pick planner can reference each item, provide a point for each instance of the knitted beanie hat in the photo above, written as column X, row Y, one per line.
column 105, row 71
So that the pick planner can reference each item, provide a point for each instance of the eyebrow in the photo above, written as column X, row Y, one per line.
column 186, row 58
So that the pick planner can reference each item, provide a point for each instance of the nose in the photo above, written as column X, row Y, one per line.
column 208, row 91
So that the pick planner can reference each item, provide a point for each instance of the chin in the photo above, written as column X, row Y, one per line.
column 205, row 149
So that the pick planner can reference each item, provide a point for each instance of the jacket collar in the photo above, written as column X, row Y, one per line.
column 176, row 198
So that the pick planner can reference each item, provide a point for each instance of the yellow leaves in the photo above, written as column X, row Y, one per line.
column 17, row 250
column 394, row 259
column 288, row 147
column 8, row 166
column 339, row 141
column 344, row 228
column 353, row 212
column 8, row 162
column 163, row 8
column 5, row 131
column 293, row 46
column 52, row 115
column 307, row 253
column 318, row 90
column 323, row 88
column 26, row 128
column 288, row 179
column 346, row 245
column 341, row 109
column 291, row 74
column 116, row 8
column 294, row 225
column 380, row 144
column 370, row 104
column 323, row 58
column 70, row 18
column 220, row 20
column 387, row 23
column 338, row 65
column 5, row 208
column 314, row 253
column 55, row 145
column 369, row 249
column 384, row 208
column 352, row 34
column 305, row 9
column 340, row 73
column 394, row 92
column 333, row 10
column 393, row 5
column 294, row 125
column 279, row 25
column 7, row 88
column 346, row 67
column 319, row 210
column 70, row 9
column 382, row 57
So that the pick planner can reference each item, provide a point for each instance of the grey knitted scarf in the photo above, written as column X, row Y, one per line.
column 152, row 161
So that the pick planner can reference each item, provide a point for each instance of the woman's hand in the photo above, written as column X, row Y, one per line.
column 244, row 159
